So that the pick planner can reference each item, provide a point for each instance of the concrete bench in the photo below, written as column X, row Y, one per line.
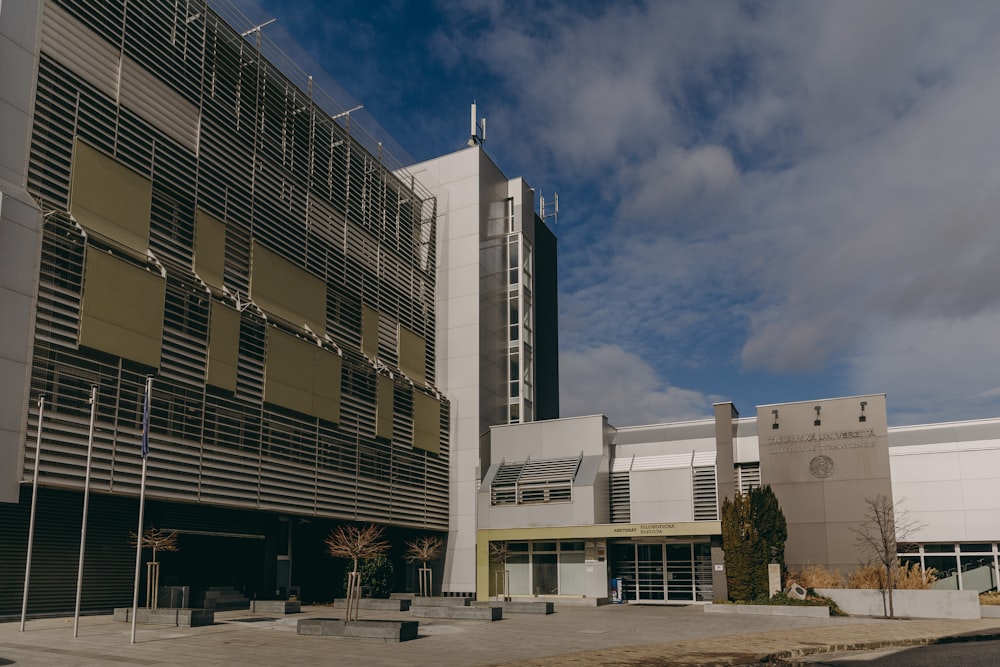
column 510, row 607
column 463, row 613
column 275, row 606
column 181, row 618
column 387, row 631
column 441, row 602
column 380, row 604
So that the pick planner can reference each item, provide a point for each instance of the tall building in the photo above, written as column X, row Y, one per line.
column 174, row 205
column 580, row 503
column 497, row 330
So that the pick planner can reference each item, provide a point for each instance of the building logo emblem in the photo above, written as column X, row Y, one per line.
column 821, row 467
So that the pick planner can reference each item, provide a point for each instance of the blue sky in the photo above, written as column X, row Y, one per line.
column 759, row 202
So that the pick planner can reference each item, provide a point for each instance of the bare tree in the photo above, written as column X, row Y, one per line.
column 356, row 543
column 499, row 553
column 157, row 540
column 422, row 550
column 884, row 527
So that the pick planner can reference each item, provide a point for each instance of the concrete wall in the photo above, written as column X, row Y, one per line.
column 908, row 604
column 20, row 234
column 822, row 467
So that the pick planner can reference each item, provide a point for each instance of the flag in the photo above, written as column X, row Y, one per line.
column 145, row 421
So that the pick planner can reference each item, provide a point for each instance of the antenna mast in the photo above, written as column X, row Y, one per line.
column 477, row 132
column 554, row 214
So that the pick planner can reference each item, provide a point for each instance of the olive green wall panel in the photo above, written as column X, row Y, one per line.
column 412, row 355
column 426, row 422
column 209, row 248
column 287, row 291
column 384, row 407
column 121, row 311
column 301, row 376
column 122, row 218
column 223, row 346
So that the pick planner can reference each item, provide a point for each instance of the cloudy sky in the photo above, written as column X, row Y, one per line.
column 759, row 202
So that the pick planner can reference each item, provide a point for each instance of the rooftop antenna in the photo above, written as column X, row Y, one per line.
column 555, row 208
column 256, row 28
column 477, row 134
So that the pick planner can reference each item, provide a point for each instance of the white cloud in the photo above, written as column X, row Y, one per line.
column 796, row 181
column 608, row 380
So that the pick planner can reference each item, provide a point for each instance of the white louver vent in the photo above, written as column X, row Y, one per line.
column 541, row 481
column 705, row 496
column 747, row 476
column 621, row 498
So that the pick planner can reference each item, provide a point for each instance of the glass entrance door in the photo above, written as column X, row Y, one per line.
column 649, row 572
column 664, row 572
column 680, row 572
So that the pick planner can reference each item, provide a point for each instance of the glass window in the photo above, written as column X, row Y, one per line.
column 977, row 573
column 976, row 548
column 518, row 574
column 571, row 546
column 939, row 548
column 544, row 546
column 571, row 571
column 517, row 546
column 545, row 573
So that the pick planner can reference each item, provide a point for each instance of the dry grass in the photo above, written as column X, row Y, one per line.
column 908, row 576
column 816, row 576
column 990, row 598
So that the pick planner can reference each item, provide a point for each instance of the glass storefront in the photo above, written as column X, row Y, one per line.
column 958, row 566
column 543, row 568
column 664, row 572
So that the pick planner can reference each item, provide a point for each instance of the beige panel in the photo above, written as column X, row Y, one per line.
column 326, row 384
column 426, row 422
column 159, row 104
column 122, row 218
column 286, row 291
column 79, row 49
column 369, row 331
column 121, row 312
column 301, row 376
column 384, row 407
column 209, row 248
column 288, row 372
column 223, row 346
column 412, row 355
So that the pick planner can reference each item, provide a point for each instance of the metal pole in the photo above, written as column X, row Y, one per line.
column 31, row 521
column 86, row 503
column 142, row 501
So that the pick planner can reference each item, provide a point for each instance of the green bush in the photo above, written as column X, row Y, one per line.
column 752, row 525
column 376, row 574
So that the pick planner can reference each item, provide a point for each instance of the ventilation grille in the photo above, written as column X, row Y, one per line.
column 747, row 476
column 541, row 481
column 705, row 500
column 621, row 510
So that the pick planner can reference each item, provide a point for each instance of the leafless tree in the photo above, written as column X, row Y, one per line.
column 879, row 535
column 350, row 541
column 157, row 540
column 499, row 553
column 422, row 550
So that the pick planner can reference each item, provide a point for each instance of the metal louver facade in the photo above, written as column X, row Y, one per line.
column 170, row 92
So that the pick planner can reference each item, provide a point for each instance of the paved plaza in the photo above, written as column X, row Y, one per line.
column 611, row 635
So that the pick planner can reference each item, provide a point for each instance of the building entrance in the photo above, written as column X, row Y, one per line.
column 664, row 572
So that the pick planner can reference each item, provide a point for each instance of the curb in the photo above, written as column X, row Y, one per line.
column 869, row 645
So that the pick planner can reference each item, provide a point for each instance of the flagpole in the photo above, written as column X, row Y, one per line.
column 142, row 500
column 31, row 521
column 86, row 503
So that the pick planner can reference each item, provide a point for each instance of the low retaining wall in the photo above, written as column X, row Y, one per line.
column 908, row 604
column 275, row 606
column 989, row 610
column 519, row 607
column 181, row 618
column 464, row 613
column 387, row 631
column 441, row 602
column 768, row 610
column 381, row 604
